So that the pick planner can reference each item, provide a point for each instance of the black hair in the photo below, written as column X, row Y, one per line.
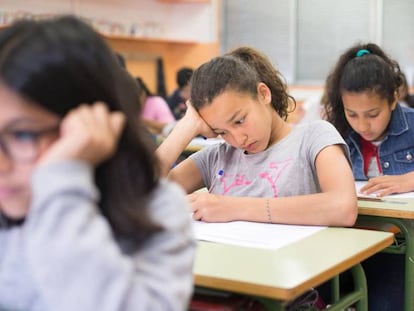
column 370, row 71
column 61, row 63
column 184, row 76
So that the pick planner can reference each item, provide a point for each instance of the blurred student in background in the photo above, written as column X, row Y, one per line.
column 155, row 113
column 177, row 100
column 86, row 222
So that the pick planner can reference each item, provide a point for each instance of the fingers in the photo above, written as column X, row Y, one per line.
column 195, row 206
column 206, row 207
column 192, row 197
column 193, row 116
column 106, row 128
column 89, row 133
column 117, row 120
column 197, row 216
column 102, row 127
column 385, row 192
column 113, row 122
column 374, row 184
column 382, row 186
column 369, row 188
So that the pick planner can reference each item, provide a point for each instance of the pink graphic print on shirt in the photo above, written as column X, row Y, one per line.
column 279, row 167
column 239, row 180
column 228, row 182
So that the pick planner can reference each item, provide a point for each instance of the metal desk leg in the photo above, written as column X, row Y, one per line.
column 335, row 289
column 360, row 284
column 359, row 296
column 407, row 229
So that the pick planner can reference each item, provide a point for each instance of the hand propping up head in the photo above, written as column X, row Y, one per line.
column 192, row 116
column 89, row 133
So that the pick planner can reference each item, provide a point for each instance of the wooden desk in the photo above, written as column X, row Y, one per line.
column 196, row 144
column 398, row 212
column 286, row 273
column 199, row 143
column 394, row 208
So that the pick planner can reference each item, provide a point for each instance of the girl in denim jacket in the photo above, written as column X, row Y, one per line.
column 363, row 105
column 362, row 92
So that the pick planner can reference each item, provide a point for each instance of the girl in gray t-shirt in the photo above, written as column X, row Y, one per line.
column 265, row 170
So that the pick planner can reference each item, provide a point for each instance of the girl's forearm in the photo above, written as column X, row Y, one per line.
column 326, row 209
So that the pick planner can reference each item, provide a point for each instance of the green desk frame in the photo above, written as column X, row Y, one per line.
column 406, row 247
column 217, row 269
column 358, row 297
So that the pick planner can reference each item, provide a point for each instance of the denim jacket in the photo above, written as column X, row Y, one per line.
column 396, row 152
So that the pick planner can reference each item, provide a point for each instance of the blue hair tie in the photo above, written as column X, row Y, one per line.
column 362, row 53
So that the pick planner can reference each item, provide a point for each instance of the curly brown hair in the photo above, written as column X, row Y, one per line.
column 240, row 70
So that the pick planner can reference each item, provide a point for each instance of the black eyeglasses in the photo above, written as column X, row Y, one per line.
column 24, row 145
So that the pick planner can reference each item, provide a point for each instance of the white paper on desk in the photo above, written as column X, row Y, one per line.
column 360, row 184
column 253, row 234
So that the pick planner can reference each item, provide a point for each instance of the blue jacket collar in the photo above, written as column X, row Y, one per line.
column 398, row 123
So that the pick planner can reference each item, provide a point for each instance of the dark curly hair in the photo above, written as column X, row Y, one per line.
column 371, row 72
column 240, row 70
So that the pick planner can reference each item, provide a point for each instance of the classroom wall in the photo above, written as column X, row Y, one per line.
column 304, row 38
column 181, row 33
column 142, row 54
column 189, row 32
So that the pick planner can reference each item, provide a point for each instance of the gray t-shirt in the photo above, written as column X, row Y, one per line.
column 286, row 168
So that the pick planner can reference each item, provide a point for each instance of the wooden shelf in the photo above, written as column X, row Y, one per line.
column 140, row 39
column 146, row 39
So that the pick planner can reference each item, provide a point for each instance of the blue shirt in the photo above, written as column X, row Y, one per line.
column 396, row 152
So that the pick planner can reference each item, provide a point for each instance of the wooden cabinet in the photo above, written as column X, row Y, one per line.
column 141, row 57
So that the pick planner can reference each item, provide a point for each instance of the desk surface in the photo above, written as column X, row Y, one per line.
column 287, row 272
column 196, row 144
column 395, row 208
column 199, row 143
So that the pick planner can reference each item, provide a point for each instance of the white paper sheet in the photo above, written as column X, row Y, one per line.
column 360, row 184
column 252, row 234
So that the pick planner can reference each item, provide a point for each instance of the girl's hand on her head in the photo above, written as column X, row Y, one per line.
column 191, row 115
column 209, row 207
column 389, row 184
column 89, row 133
